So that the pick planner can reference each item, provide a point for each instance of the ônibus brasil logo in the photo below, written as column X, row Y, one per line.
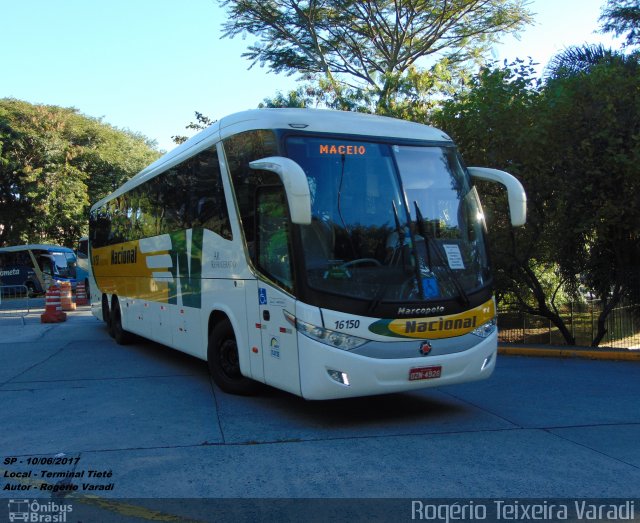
column 38, row 511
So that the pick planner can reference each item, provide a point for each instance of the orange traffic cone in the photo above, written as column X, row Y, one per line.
column 81, row 294
column 53, row 308
column 66, row 297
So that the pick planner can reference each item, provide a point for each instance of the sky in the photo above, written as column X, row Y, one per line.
column 148, row 65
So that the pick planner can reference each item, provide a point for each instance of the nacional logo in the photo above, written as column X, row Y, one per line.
column 436, row 327
column 440, row 324
column 124, row 256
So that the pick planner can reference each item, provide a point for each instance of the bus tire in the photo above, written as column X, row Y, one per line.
column 31, row 289
column 224, row 365
column 106, row 315
column 121, row 336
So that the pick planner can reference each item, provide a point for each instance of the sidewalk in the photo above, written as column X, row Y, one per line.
column 554, row 351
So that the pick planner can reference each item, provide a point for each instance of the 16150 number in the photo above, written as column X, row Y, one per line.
column 347, row 324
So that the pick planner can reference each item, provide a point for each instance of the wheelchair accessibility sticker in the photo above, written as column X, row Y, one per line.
column 262, row 296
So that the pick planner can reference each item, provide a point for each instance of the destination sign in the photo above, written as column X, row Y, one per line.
column 347, row 150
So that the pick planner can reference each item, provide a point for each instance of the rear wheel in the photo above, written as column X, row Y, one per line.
column 121, row 336
column 224, row 364
column 106, row 314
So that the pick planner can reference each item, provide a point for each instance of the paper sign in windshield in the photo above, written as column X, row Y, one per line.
column 454, row 257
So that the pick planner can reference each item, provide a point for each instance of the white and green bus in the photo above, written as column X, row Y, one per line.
column 325, row 253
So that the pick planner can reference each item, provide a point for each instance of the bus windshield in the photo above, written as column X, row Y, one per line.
column 63, row 264
column 390, row 222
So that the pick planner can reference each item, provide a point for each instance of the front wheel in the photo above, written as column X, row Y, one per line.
column 31, row 289
column 224, row 364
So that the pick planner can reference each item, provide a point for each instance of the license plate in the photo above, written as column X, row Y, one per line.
column 425, row 373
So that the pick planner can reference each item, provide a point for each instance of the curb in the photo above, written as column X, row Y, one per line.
column 570, row 352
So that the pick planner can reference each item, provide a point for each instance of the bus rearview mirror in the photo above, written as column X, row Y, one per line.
column 295, row 185
column 515, row 192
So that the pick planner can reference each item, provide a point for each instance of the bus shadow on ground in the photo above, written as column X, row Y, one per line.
column 274, row 415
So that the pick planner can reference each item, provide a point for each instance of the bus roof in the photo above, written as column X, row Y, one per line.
column 303, row 120
column 36, row 247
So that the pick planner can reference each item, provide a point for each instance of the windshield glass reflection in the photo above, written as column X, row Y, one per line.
column 390, row 223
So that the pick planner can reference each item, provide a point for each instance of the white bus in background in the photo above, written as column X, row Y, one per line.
column 325, row 253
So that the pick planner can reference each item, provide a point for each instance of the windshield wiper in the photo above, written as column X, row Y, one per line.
column 382, row 289
column 400, row 232
column 437, row 248
column 344, row 224
column 414, row 248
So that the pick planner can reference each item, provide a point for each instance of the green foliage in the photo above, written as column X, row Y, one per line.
column 53, row 163
column 370, row 54
column 300, row 98
column 574, row 143
column 497, row 121
column 596, row 147
column 201, row 123
column 582, row 59
column 622, row 18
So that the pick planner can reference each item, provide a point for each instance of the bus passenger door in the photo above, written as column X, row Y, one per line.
column 273, row 259
column 279, row 340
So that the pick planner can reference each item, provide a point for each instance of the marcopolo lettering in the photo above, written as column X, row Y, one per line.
column 408, row 311
column 440, row 325
column 124, row 256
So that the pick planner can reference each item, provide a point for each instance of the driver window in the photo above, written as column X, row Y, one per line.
column 273, row 239
column 46, row 265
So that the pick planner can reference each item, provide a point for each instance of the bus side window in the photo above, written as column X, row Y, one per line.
column 273, row 234
column 240, row 150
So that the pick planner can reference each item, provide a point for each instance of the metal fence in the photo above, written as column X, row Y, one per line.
column 14, row 301
column 623, row 326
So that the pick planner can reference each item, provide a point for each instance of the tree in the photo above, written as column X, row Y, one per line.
column 594, row 138
column 497, row 120
column 202, row 122
column 576, row 60
column 574, row 142
column 371, row 52
column 299, row 99
column 622, row 18
column 53, row 163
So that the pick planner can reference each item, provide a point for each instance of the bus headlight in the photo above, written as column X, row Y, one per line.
column 338, row 340
column 486, row 330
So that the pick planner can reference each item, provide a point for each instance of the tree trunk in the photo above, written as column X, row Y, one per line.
column 543, row 309
column 602, row 317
